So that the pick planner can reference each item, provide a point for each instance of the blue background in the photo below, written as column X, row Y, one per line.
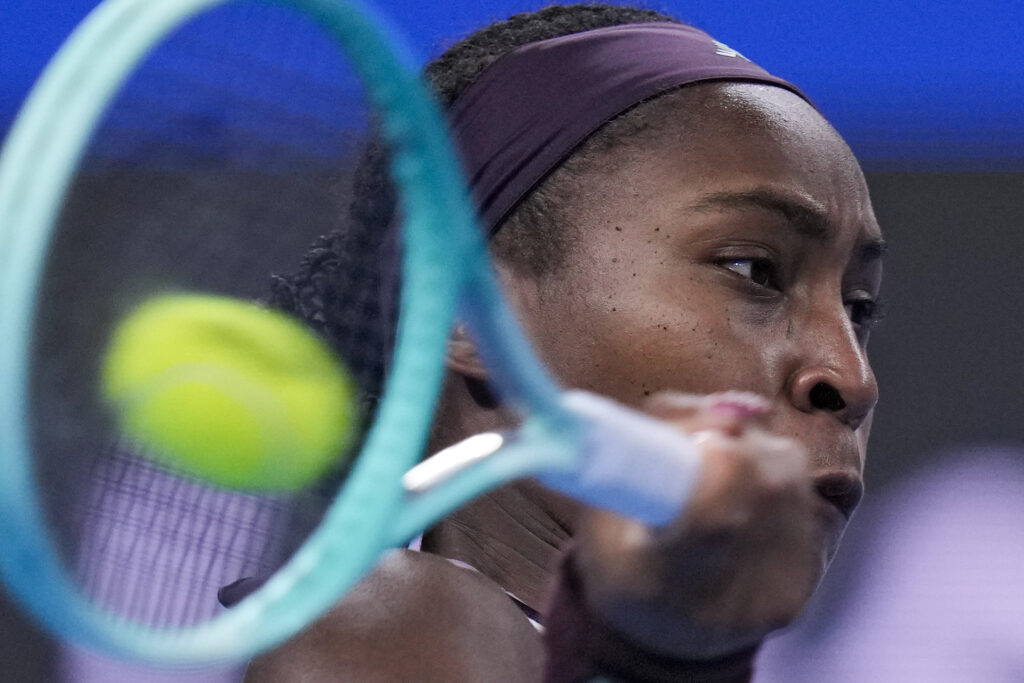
column 912, row 85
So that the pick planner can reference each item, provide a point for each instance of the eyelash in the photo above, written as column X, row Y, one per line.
column 770, row 272
column 866, row 313
column 863, row 313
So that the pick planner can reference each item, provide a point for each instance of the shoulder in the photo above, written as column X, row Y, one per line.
column 415, row 617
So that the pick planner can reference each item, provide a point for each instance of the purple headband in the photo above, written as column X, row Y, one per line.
column 535, row 105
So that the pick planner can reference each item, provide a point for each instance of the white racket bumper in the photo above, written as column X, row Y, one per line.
column 630, row 463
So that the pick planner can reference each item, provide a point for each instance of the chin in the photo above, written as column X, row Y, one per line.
column 832, row 535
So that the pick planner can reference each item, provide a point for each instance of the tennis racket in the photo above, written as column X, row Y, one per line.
column 99, row 542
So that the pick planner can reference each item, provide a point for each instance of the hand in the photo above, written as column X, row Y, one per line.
column 740, row 561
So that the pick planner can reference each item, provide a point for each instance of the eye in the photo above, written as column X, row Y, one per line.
column 760, row 271
column 865, row 313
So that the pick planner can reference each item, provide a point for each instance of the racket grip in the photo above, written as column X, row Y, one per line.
column 629, row 463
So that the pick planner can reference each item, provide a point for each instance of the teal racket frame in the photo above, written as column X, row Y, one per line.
column 445, row 272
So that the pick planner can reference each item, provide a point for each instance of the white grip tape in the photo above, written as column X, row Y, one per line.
column 631, row 464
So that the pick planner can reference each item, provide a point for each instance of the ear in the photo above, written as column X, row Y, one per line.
column 464, row 360
column 463, row 357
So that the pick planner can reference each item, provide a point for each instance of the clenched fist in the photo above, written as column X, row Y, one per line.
column 741, row 560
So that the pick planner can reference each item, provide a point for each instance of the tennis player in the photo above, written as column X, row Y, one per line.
column 679, row 230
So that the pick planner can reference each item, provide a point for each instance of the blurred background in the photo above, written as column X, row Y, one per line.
column 931, row 98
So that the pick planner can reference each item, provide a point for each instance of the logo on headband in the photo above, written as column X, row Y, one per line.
column 726, row 51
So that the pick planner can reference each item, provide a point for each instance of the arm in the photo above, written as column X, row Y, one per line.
column 416, row 617
column 690, row 601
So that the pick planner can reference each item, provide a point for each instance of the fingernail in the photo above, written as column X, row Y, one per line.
column 739, row 405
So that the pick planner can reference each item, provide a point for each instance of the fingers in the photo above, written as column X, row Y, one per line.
column 755, row 459
column 740, row 561
column 729, row 412
column 754, row 510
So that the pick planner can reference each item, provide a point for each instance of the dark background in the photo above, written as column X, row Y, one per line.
column 948, row 353
column 933, row 104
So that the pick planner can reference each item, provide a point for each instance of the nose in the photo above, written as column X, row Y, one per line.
column 834, row 375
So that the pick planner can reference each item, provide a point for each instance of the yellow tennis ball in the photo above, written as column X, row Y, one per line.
column 239, row 395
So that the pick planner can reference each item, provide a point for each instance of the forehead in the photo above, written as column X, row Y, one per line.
column 722, row 138
column 736, row 134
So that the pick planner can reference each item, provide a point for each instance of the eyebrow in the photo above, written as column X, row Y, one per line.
column 807, row 218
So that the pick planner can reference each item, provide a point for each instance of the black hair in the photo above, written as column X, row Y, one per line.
column 321, row 291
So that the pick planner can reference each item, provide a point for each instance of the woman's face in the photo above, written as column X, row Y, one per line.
column 738, row 251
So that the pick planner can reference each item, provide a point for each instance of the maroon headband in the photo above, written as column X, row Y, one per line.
column 535, row 105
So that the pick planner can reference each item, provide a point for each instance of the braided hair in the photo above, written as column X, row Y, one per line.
column 347, row 271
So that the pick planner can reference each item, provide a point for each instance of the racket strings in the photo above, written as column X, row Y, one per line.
column 340, row 292
column 156, row 547
column 214, row 92
column 223, row 159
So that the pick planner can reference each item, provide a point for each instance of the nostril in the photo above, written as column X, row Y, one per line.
column 826, row 397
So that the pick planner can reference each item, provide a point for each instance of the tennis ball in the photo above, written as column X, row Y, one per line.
column 241, row 396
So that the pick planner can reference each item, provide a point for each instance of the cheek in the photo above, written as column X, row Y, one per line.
column 638, row 335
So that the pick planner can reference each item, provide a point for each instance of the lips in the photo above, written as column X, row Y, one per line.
column 841, row 489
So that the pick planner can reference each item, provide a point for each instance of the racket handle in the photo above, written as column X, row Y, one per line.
column 629, row 463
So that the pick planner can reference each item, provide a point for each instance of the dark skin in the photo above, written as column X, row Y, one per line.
column 739, row 252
